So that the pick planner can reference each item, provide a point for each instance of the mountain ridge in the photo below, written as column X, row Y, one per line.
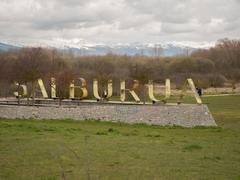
column 80, row 48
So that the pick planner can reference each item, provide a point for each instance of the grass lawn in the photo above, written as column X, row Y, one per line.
column 31, row 149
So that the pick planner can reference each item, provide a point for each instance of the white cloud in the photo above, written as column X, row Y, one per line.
column 113, row 21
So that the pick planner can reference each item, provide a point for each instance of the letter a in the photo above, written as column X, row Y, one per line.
column 193, row 89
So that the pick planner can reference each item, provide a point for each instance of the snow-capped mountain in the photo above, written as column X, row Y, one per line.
column 79, row 47
column 7, row 47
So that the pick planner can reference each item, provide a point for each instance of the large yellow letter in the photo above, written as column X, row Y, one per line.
column 24, row 90
column 167, row 91
column 83, row 88
column 123, row 90
column 53, row 88
column 43, row 91
column 193, row 88
column 109, row 89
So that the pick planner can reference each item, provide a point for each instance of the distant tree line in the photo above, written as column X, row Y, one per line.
column 208, row 67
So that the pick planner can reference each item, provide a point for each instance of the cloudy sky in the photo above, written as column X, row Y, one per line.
column 119, row 21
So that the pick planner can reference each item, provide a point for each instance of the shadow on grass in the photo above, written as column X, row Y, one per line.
column 6, row 123
column 110, row 131
column 191, row 147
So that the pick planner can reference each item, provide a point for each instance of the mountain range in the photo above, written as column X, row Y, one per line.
column 79, row 48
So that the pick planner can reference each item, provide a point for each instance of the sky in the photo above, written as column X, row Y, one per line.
column 119, row 21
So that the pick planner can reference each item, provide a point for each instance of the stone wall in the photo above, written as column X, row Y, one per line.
column 186, row 115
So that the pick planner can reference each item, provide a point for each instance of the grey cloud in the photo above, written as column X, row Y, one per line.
column 120, row 20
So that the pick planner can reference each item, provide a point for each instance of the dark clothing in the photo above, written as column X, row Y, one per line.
column 199, row 91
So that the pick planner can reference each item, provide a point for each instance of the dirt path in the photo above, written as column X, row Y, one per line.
column 221, row 95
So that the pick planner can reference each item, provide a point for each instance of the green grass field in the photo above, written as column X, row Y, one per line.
column 52, row 149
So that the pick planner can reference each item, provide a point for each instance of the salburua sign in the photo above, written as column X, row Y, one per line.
column 156, row 111
column 108, row 92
